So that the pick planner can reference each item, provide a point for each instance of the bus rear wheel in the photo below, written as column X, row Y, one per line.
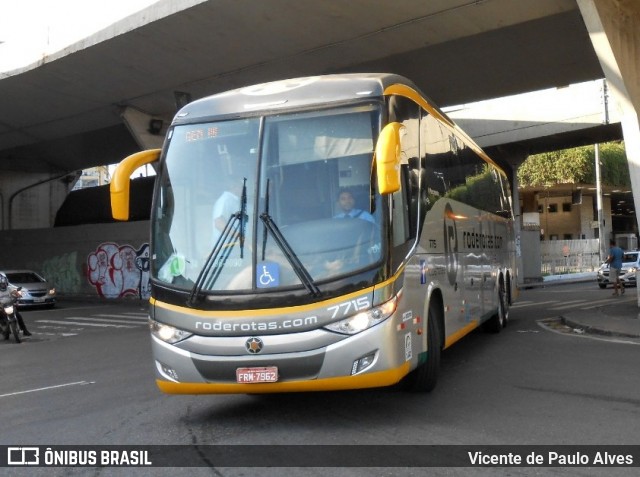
column 501, row 317
column 425, row 376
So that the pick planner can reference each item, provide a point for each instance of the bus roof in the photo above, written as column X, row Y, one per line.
column 297, row 93
column 290, row 94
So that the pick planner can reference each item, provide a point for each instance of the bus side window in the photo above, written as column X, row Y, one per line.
column 437, row 164
column 400, row 207
column 405, row 201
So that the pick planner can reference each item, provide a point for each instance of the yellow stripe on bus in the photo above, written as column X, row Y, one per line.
column 370, row 380
column 460, row 333
column 274, row 311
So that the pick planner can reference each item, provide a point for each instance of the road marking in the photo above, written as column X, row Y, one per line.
column 600, row 305
column 612, row 300
column 129, row 321
column 568, row 304
column 141, row 318
column 133, row 313
column 101, row 325
column 75, row 324
column 78, row 383
column 45, row 333
column 523, row 304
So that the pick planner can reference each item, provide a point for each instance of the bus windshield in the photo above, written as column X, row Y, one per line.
column 268, row 202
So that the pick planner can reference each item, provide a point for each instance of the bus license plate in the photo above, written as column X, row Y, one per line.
column 267, row 374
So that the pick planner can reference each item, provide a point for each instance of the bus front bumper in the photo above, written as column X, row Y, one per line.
column 333, row 367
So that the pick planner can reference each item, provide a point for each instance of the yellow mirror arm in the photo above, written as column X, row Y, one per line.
column 120, row 183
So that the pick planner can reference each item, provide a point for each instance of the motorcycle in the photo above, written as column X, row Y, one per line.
column 9, row 316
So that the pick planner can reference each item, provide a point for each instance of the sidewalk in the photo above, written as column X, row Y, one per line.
column 617, row 319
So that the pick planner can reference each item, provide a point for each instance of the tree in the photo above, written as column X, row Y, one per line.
column 575, row 166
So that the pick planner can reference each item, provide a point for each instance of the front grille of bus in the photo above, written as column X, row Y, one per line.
column 289, row 368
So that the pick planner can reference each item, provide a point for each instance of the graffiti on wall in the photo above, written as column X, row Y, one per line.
column 117, row 271
column 62, row 271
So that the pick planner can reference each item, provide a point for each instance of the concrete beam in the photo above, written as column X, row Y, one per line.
column 532, row 116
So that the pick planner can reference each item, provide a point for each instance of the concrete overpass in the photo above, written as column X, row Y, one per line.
column 518, row 125
column 91, row 103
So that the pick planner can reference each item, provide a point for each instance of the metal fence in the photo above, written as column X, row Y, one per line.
column 569, row 256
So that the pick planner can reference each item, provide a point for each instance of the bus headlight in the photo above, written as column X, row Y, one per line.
column 364, row 320
column 167, row 333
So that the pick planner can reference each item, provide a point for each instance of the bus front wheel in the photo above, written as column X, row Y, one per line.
column 425, row 376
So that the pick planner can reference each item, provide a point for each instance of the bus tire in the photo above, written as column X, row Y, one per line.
column 425, row 376
column 501, row 317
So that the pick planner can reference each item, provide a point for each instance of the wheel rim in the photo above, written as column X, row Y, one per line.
column 503, row 311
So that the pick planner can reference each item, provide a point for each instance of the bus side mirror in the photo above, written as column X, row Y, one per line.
column 120, row 183
column 388, row 158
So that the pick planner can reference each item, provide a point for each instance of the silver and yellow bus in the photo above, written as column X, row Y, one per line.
column 322, row 233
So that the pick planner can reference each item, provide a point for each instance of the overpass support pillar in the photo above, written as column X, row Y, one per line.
column 613, row 28
column 528, row 263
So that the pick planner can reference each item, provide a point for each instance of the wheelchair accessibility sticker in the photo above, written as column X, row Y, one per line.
column 267, row 275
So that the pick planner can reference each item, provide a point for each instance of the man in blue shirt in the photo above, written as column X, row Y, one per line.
column 615, row 264
column 346, row 203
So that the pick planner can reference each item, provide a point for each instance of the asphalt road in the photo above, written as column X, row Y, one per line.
column 73, row 383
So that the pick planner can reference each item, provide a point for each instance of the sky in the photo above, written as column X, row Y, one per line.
column 31, row 29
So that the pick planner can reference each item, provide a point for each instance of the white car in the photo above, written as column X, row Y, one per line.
column 630, row 265
column 36, row 291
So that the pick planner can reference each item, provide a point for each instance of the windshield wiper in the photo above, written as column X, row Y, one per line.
column 264, row 231
column 243, row 215
column 234, row 231
column 288, row 252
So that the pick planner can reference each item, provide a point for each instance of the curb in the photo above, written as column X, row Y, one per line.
column 596, row 330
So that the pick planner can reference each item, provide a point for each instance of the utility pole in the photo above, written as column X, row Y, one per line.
column 604, row 242
column 601, row 227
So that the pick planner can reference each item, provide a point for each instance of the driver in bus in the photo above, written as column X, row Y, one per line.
column 346, row 202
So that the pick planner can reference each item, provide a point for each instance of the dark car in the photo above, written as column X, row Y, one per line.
column 36, row 291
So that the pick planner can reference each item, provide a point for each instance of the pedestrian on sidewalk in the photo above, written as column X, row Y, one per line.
column 615, row 264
